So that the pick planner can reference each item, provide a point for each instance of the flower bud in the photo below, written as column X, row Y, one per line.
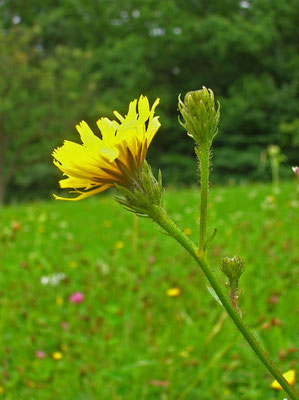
column 273, row 150
column 200, row 116
column 233, row 269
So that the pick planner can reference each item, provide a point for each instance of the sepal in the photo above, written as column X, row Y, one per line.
column 144, row 193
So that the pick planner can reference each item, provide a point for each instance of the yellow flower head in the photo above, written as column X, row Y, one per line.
column 119, row 245
column 59, row 300
column 57, row 355
column 99, row 163
column 173, row 292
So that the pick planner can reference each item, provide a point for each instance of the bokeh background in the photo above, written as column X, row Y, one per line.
column 94, row 303
column 69, row 60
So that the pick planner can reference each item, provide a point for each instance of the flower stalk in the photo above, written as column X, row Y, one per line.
column 159, row 215
column 204, row 160
column 201, row 122
column 201, row 118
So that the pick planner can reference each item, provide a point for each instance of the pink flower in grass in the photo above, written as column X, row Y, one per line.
column 40, row 354
column 64, row 325
column 76, row 297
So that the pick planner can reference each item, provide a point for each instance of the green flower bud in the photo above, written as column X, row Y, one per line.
column 200, row 116
column 273, row 150
column 233, row 269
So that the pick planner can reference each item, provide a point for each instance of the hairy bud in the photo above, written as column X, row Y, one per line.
column 233, row 269
column 201, row 117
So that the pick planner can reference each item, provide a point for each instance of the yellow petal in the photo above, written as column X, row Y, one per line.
column 80, row 171
column 120, row 117
column 72, row 153
column 105, row 124
column 143, row 109
column 89, row 139
column 132, row 114
column 290, row 377
column 152, row 128
column 153, row 107
column 107, row 129
column 75, row 183
column 111, row 154
column 153, row 123
column 83, row 195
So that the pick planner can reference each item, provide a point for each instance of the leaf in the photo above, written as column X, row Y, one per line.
column 210, row 239
column 214, row 295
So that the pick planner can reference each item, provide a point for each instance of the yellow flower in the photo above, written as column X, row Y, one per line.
column 119, row 245
column 173, row 292
column 119, row 154
column 73, row 264
column 59, row 300
column 289, row 376
column 184, row 354
column 57, row 355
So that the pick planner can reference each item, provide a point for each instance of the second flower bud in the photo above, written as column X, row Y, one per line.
column 200, row 115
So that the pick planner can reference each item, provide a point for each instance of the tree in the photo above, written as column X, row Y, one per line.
column 112, row 51
column 41, row 96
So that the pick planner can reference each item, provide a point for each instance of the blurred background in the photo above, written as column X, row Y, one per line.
column 64, row 61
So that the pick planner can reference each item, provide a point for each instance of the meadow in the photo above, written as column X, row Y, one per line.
column 128, row 336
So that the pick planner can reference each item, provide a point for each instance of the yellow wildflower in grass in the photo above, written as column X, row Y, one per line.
column 73, row 264
column 186, row 352
column 289, row 376
column 173, row 292
column 59, row 301
column 99, row 163
column 119, row 245
column 57, row 355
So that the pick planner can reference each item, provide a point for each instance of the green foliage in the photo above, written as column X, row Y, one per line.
column 41, row 97
column 128, row 339
column 89, row 58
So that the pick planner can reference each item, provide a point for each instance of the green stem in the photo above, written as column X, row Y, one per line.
column 135, row 233
column 275, row 171
column 160, row 216
column 204, row 158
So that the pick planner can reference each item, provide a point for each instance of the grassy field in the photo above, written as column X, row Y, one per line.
column 128, row 339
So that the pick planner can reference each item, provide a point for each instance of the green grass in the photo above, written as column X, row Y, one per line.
column 128, row 339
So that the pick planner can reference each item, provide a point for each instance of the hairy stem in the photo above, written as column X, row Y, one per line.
column 233, row 299
column 203, row 155
column 161, row 218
